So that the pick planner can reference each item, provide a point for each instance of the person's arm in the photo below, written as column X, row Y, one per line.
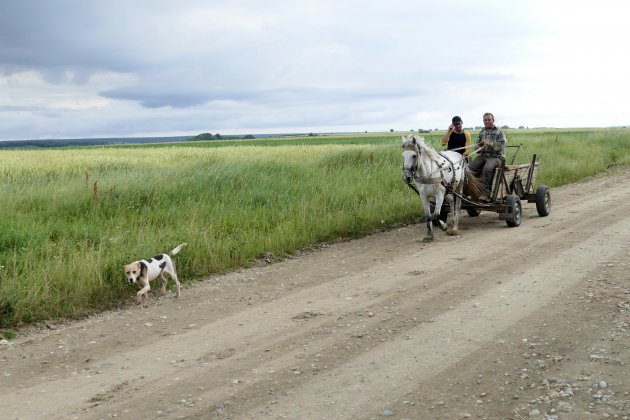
column 498, row 144
column 467, row 150
column 503, row 142
column 447, row 135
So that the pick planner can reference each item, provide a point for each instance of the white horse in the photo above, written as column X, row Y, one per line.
column 438, row 175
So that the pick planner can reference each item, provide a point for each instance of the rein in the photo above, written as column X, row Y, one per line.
column 413, row 187
column 461, row 197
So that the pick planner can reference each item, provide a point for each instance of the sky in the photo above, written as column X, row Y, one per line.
column 137, row 68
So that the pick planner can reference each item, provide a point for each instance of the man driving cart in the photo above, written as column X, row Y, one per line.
column 491, row 147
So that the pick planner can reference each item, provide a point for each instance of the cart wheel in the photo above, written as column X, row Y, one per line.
column 543, row 201
column 513, row 202
column 474, row 212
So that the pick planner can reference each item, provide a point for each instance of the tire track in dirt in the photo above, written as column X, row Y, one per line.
column 358, row 292
column 451, row 336
column 313, row 342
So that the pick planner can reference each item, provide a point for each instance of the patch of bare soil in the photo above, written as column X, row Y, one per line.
column 497, row 323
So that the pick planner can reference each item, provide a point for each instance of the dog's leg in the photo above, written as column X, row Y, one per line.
column 144, row 292
column 164, row 282
column 177, row 285
column 173, row 273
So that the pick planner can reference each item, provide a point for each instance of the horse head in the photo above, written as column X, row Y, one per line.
column 411, row 152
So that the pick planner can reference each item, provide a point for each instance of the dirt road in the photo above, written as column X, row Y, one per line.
column 498, row 323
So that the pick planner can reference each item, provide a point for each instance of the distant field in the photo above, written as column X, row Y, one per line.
column 72, row 217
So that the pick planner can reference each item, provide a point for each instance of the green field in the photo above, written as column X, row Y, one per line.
column 71, row 217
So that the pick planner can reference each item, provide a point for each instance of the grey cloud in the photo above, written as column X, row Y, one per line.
column 156, row 98
column 183, row 96
column 262, row 64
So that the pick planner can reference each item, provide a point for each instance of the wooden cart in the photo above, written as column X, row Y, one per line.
column 512, row 185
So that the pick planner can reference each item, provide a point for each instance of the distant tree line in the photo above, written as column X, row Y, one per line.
column 37, row 144
column 210, row 136
column 207, row 136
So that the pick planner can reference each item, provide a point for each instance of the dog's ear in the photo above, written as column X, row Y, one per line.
column 143, row 270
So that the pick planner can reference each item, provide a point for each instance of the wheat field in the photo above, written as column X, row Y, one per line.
column 71, row 218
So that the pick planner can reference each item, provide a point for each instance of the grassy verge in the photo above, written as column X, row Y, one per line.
column 72, row 217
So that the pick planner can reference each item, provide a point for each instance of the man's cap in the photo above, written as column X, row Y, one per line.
column 457, row 119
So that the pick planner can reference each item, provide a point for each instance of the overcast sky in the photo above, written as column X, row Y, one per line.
column 126, row 68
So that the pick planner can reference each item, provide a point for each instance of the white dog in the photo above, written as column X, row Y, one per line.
column 143, row 271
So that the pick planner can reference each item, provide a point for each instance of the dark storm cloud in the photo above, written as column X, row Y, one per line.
column 150, row 39
column 104, row 66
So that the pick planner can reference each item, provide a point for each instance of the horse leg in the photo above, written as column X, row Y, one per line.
column 439, row 202
column 451, row 215
column 453, row 222
column 458, row 208
column 427, row 215
column 429, row 235
column 456, row 205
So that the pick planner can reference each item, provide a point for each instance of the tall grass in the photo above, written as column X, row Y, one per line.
column 70, row 218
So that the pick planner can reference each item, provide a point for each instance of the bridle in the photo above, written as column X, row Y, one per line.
column 430, row 179
column 449, row 165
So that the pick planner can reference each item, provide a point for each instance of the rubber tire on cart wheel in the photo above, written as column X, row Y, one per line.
column 513, row 202
column 543, row 201
column 473, row 212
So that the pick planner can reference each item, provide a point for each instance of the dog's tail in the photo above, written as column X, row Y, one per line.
column 177, row 249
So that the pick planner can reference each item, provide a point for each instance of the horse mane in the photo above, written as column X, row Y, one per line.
column 408, row 143
column 419, row 142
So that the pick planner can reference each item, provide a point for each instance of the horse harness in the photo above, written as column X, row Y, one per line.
column 448, row 186
column 450, row 168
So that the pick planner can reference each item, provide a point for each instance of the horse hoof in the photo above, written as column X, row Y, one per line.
column 426, row 240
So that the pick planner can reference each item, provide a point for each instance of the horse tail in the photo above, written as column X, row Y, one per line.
column 474, row 184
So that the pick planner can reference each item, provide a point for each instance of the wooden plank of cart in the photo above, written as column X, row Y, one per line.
column 512, row 185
